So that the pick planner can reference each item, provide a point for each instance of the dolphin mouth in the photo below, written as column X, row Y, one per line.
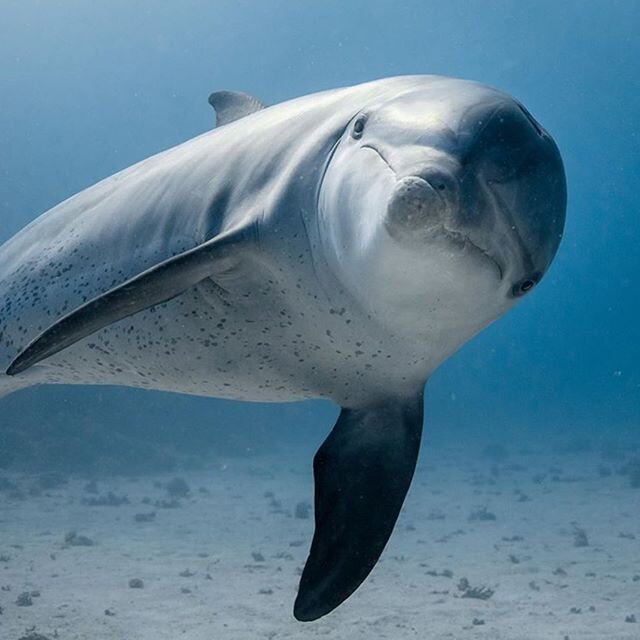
column 379, row 153
column 488, row 256
column 463, row 241
column 460, row 239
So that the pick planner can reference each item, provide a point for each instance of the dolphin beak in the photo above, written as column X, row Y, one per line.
column 514, row 193
column 415, row 206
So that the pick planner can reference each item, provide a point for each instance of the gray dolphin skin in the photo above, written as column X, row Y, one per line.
column 340, row 246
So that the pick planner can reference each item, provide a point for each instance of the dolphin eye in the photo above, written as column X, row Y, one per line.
column 358, row 127
column 524, row 286
column 527, row 285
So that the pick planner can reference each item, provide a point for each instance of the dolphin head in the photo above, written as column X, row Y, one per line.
column 442, row 206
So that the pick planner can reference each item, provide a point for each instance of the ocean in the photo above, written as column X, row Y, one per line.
column 133, row 513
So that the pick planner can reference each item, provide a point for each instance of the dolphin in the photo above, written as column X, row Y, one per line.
column 340, row 246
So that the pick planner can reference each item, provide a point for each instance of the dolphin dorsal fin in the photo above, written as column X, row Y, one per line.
column 233, row 105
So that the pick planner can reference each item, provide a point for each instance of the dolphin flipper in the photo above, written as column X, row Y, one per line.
column 362, row 473
column 154, row 286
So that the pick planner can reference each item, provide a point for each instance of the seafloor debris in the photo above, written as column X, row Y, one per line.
column 449, row 536
column 91, row 487
column 75, row 540
column 172, row 503
column 136, row 583
column 24, row 599
column 145, row 517
column 479, row 593
column 445, row 573
column 580, row 538
column 178, row 488
column 482, row 514
column 31, row 634
column 276, row 506
column 110, row 500
column 302, row 510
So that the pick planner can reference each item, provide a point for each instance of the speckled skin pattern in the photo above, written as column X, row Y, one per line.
column 328, row 300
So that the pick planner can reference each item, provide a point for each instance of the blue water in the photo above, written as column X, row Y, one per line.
column 89, row 88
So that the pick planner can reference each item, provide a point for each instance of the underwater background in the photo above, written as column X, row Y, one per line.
column 89, row 88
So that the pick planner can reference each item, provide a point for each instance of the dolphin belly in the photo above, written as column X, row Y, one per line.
column 187, row 346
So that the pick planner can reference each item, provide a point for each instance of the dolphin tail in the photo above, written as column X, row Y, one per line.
column 362, row 473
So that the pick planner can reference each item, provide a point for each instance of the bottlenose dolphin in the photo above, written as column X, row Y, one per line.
column 339, row 246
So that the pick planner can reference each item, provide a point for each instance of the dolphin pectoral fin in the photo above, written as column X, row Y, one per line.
column 154, row 286
column 362, row 473
column 233, row 105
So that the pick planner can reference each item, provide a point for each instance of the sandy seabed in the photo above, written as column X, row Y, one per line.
column 223, row 562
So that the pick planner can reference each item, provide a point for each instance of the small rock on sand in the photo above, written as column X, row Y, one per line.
column 145, row 517
column 302, row 510
column 178, row 488
column 76, row 540
column 31, row 634
column 580, row 538
column 24, row 599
